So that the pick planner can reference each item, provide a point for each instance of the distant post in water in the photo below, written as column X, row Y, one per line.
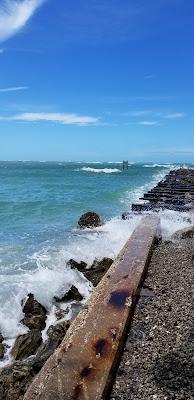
column 125, row 165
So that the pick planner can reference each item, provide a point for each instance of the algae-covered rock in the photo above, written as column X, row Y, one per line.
column 89, row 220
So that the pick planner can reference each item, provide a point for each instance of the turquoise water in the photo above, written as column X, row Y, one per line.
column 40, row 204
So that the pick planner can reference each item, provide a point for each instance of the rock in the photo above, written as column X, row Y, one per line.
column 35, row 314
column 61, row 313
column 2, row 351
column 26, row 345
column 1, row 338
column 72, row 294
column 89, row 220
column 56, row 333
column 14, row 380
column 79, row 266
column 185, row 233
column 97, row 270
column 125, row 215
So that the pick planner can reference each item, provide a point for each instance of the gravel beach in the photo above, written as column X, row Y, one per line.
column 158, row 359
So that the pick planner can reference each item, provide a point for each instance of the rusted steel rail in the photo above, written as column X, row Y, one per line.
column 81, row 369
column 175, row 192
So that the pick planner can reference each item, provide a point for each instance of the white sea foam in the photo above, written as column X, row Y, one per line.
column 159, row 166
column 100, row 170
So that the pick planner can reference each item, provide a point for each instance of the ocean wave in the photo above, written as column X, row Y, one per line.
column 100, row 170
column 159, row 166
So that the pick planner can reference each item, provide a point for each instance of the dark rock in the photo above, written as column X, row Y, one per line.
column 79, row 266
column 89, row 220
column 56, row 334
column 1, row 338
column 125, row 215
column 2, row 351
column 185, row 233
column 14, row 380
column 26, row 345
column 72, row 294
column 58, row 331
column 97, row 270
column 35, row 314
column 61, row 313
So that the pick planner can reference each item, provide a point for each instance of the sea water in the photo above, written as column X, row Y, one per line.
column 40, row 205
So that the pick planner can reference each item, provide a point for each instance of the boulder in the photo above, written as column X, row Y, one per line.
column 188, row 197
column 125, row 215
column 2, row 347
column 97, row 270
column 35, row 314
column 26, row 345
column 89, row 220
column 72, row 294
column 57, row 332
column 60, row 313
column 14, row 380
column 185, row 233
column 2, row 351
column 79, row 266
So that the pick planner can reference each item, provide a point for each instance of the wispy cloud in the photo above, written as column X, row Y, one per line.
column 65, row 119
column 175, row 115
column 13, row 89
column 14, row 14
column 148, row 123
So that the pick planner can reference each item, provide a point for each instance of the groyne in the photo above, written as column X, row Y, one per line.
column 85, row 364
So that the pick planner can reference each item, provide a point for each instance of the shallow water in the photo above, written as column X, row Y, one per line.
column 40, row 204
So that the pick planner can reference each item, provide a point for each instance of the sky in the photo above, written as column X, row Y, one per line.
column 100, row 80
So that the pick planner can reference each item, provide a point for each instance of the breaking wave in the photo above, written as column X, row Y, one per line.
column 100, row 170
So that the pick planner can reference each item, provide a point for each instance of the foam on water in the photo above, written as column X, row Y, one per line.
column 100, row 170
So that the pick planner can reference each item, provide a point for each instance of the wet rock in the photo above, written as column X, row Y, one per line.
column 56, row 334
column 2, row 347
column 1, row 338
column 185, row 233
column 79, row 266
column 58, row 331
column 26, row 345
column 14, row 380
column 125, row 215
column 72, row 294
column 61, row 313
column 2, row 351
column 35, row 314
column 97, row 270
column 188, row 197
column 89, row 220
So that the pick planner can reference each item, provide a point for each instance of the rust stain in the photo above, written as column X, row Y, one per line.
column 86, row 372
column 118, row 298
column 78, row 390
column 101, row 348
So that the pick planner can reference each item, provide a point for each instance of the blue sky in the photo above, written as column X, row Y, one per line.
column 97, row 80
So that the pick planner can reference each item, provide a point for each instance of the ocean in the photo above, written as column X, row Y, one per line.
column 40, row 205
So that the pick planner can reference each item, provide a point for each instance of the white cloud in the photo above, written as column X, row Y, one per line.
column 148, row 123
column 13, row 89
column 175, row 115
column 66, row 119
column 14, row 14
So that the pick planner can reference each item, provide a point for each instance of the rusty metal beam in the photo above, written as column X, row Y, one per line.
column 81, row 369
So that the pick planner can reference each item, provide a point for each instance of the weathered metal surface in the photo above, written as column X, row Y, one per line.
column 82, row 367
column 176, row 192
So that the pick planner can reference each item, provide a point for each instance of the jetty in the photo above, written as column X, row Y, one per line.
column 134, row 338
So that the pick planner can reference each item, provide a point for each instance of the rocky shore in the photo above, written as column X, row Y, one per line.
column 29, row 352
column 158, row 359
